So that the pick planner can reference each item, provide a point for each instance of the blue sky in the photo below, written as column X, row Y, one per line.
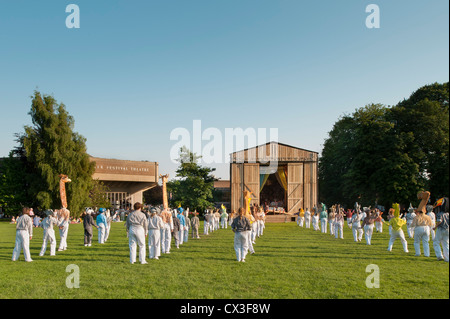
column 136, row 70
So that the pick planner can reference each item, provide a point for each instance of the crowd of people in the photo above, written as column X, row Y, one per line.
column 164, row 226
column 420, row 225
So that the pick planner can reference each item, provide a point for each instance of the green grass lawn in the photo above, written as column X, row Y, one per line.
column 290, row 263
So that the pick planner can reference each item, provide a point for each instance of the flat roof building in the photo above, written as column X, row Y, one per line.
column 126, row 180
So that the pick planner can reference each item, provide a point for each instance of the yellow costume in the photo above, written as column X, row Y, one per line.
column 396, row 222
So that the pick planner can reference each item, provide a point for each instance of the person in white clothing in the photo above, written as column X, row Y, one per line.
column 63, row 224
column 24, row 233
column 307, row 218
column 421, row 225
column 137, row 228
column 339, row 223
column 47, row 225
column 166, row 231
column 206, row 223
column 432, row 216
column 409, row 218
column 356, row 224
column 155, row 224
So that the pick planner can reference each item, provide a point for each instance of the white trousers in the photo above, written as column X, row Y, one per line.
column 398, row 234
column 422, row 233
column 166, row 237
column 368, row 232
column 339, row 230
column 323, row 225
column 254, row 230
column 410, row 230
column 63, row 237
column 154, row 243
column 224, row 223
column 331, row 226
column 260, row 228
column 108, row 227
column 22, row 242
column 441, row 238
column 379, row 226
column 49, row 236
column 307, row 222
column 101, row 233
column 205, row 227
column 136, row 237
column 249, row 241
column 301, row 221
column 241, row 244
column 357, row 233
column 186, row 234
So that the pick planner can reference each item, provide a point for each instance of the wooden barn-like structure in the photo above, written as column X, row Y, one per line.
column 281, row 176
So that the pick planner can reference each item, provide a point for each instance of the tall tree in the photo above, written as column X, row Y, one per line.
column 195, row 185
column 50, row 147
column 383, row 155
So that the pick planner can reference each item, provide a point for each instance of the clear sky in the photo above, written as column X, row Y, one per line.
column 136, row 70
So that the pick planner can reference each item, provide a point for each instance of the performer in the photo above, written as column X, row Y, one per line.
column 260, row 222
column 254, row 223
column 241, row 226
column 409, row 218
column 331, row 217
column 323, row 219
column 356, row 224
column 349, row 218
column 315, row 220
column 63, row 224
column 182, row 227
column 339, row 223
column 397, row 232
column 102, row 224
column 308, row 218
column 367, row 225
column 176, row 231
column 166, row 231
column 301, row 217
column 442, row 208
column 137, row 226
column 88, row 222
column 216, row 220
column 421, row 226
column 206, row 223
column 186, row 228
column 24, row 233
column 432, row 216
column 155, row 225
column 379, row 221
column 47, row 225
column 108, row 224
column 195, row 224
column 224, row 218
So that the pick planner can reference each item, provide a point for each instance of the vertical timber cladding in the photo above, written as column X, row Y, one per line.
column 251, row 181
column 302, row 176
column 295, row 186
column 236, row 176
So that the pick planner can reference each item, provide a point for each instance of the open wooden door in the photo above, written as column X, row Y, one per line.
column 251, row 181
column 236, row 176
column 294, row 187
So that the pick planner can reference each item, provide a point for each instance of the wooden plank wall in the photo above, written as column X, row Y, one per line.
column 295, row 180
column 251, row 181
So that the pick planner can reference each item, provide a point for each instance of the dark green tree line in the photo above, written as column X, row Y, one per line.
column 380, row 155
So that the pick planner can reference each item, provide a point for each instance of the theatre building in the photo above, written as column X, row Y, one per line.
column 125, row 180
column 283, row 177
